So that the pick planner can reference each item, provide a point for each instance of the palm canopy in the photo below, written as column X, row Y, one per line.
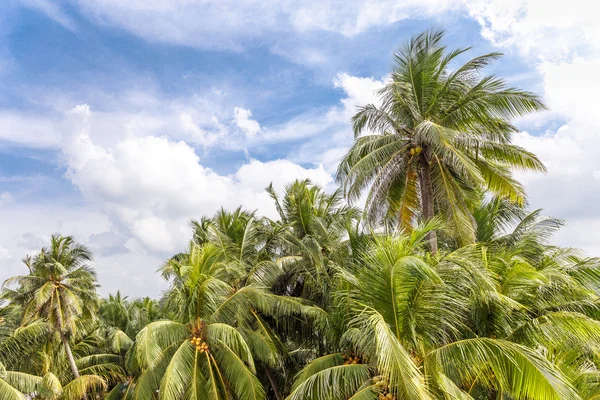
column 509, row 317
column 223, row 314
column 437, row 138
column 60, row 287
column 478, row 322
column 312, row 228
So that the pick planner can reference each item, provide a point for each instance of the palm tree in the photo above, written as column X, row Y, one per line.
column 312, row 227
column 60, row 291
column 484, row 321
column 438, row 137
column 222, row 311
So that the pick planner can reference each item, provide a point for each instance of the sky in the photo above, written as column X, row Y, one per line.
column 120, row 121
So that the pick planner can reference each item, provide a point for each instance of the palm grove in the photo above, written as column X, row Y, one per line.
column 445, row 287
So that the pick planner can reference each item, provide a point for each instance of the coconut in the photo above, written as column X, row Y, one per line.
column 418, row 149
column 412, row 152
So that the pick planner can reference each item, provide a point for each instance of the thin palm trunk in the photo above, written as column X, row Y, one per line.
column 67, row 347
column 69, row 355
column 428, row 211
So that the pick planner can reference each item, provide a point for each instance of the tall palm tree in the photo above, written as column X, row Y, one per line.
column 437, row 138
column 60, row 291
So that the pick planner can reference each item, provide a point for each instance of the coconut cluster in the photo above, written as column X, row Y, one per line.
column 415, row 150
column 383, row 385
column 352, row 360
column 201, row 346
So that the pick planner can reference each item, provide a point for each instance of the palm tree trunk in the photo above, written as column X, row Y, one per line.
column 427, row 202
column 69, row 355
column 67, row 347
column 273, row 383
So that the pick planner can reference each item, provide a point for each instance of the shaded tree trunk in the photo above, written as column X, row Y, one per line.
column 427, row 204
column 273, row 383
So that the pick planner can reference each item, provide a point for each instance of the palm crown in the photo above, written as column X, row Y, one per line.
column 436, row 139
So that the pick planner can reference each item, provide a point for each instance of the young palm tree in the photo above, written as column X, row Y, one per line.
column 60, row 291
column 437, row 138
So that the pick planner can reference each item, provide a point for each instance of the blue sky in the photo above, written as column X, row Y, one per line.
column 120, row 121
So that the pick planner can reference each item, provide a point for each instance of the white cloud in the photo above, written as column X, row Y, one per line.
column 358, row 16
column 140, row 192
column 548, row 29
column 199, row 135
column 243, row 121
column 359, row 91
column 26, row 129
column 229, row 24
column 563, row 44
column 154, row 233
column 257, row 175
column 570, row 87
column 151, row 186
column 205, row 120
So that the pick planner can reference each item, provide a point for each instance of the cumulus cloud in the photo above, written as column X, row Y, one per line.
column 140, row 192
column 563, row 44
column 151, row 186
column 358, row 91
column 540, row 28
column 198, row 134
column 205, row 119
